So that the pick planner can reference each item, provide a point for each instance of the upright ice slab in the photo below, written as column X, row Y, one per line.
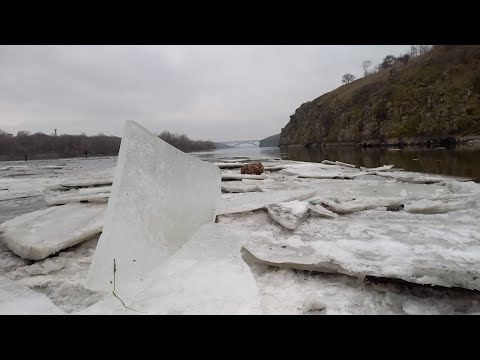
column 160, row 198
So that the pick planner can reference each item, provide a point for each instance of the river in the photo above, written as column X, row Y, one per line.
column 461, row 160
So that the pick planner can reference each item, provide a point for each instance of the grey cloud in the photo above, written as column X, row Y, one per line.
column 208, row 92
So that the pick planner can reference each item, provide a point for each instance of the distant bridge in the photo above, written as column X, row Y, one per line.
column 237, row 143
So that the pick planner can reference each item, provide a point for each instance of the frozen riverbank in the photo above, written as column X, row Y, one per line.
column 369, row 223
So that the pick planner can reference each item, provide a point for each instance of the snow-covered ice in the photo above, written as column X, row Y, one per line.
column 160, row 198
column 16, row 299
column 206, row 276
column 41, row 233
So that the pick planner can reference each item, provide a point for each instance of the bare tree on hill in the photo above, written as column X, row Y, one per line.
column 365, row 65
column 348, row 78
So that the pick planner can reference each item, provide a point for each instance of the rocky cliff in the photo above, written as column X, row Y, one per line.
column 432, row 98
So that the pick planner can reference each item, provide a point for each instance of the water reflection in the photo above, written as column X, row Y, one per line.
column 462, row 160
column 246, row 151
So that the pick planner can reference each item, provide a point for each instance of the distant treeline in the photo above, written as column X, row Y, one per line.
column 42, row 146
column 184, row 143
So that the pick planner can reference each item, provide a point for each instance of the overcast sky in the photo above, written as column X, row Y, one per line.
column 219, row 93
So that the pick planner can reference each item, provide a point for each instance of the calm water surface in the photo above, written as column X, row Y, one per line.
column 462, row 160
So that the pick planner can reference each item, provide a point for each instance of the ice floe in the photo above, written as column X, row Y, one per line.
column 41, row 233
column 253, row 201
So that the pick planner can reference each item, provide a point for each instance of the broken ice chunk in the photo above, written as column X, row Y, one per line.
column 328, row 162
column 238, row 187
column 344, row 164
column 41, row 233
column 258, row 200
column 381, row 168
column 289, row 214
column 319, row 210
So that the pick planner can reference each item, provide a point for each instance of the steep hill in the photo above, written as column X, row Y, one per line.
column 433, row 97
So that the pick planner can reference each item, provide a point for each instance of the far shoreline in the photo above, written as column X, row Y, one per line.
column 431, row 141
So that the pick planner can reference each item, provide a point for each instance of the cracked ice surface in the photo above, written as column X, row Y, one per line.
column 160, row 198
column 442, row 249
